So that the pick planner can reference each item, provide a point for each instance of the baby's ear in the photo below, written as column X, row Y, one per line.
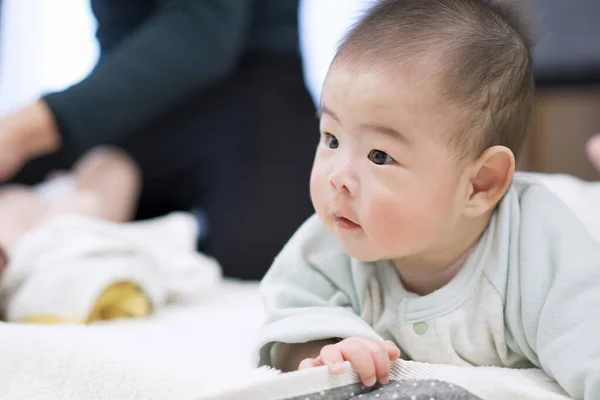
column 491, row 175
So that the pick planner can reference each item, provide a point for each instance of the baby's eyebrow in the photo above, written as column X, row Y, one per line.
column 384, row 130
column 325, row 110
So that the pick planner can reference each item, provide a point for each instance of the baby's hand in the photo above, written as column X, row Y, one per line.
column 370, row 358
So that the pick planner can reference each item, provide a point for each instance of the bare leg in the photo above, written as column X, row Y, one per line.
column 107, row 182
column 593, row 151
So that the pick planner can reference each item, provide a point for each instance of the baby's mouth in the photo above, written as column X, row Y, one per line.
column 345, row 223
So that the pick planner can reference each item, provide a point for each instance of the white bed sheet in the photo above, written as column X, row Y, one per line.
column 181, row 353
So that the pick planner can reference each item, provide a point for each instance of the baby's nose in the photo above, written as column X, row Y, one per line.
column 344, row 179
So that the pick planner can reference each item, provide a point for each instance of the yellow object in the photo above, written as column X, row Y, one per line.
column 48, row 320
column 119, row 300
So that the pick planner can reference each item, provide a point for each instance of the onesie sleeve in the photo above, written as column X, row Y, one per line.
column 559, row 269
column 309, row 293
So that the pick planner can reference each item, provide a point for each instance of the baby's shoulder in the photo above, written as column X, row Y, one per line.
column 554, row 211
column 542, row 197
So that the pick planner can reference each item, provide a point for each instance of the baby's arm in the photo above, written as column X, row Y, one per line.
column 566, row 333
column 107, row 184
column 312, row 302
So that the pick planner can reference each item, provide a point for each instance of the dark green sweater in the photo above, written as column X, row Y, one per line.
column 155, row 52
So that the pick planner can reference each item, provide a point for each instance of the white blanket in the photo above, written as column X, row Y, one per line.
column 200, row 351
column 203, row 349
column 179, row 353
column 58, row 271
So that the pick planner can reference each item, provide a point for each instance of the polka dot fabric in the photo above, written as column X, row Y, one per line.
column 395, row 390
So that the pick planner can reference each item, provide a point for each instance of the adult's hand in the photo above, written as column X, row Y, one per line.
column 28, row 133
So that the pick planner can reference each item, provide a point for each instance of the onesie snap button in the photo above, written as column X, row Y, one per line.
column 420, row 328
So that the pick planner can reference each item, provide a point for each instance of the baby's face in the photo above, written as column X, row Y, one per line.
column 383, row 181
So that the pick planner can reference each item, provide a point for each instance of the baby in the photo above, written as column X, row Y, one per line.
column 425, row 239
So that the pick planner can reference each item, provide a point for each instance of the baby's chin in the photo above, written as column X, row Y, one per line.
column 356, row 245
column 359, row 251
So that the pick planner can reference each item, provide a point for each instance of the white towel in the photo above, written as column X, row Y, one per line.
column 59, row 270
column 55, row 189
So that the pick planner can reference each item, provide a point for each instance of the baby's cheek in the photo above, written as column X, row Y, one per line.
column 317, row 189
column 400, row 227
column 385, row 221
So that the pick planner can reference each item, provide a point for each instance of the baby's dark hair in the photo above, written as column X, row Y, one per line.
column 481, row 48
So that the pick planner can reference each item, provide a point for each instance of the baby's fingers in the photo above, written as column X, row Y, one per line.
column 332, row 357
column 309, row 363
column 381, row 360
column 392, row 350
column 361, row 358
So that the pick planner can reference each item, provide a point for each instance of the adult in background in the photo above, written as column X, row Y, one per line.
column 207, row 96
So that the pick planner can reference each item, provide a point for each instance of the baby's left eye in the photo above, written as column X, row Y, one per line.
column 380, row 158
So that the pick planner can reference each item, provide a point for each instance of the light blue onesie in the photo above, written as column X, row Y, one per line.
column 528, row 294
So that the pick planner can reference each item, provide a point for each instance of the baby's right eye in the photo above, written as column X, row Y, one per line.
column 331, row 141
